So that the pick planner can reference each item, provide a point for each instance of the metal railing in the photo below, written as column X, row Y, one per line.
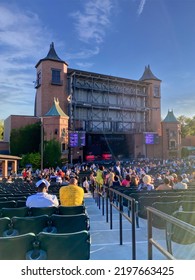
column 109, row 198
column 171, row 220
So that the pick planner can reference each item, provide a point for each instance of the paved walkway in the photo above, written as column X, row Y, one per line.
column 105, row 243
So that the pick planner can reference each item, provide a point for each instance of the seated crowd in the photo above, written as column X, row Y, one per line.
column 72, row 185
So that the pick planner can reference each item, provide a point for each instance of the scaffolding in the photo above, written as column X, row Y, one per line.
column 107, row 104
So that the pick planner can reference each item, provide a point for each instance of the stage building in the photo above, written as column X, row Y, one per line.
column 98, row 116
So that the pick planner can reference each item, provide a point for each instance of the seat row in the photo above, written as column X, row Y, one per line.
column 179, row 235
column 46, row 246
column 167, row 205
column 170, row 208
column 51, row 224
column 37, row 211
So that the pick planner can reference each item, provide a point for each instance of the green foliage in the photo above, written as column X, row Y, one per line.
column 1, row 129
column 187, row 125
column 52, row 153
column 31, row 158
column 25, row 140
column 184, row 153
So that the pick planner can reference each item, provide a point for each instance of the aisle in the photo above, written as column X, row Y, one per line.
column 105, row 242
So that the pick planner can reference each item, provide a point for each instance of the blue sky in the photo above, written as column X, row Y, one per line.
column 113, row 37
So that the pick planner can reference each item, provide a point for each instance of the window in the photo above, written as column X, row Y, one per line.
column 56, row 77
column 63, row 132
column 156, row 91
column 63, row 146
column 172, row 145
column 38, row 81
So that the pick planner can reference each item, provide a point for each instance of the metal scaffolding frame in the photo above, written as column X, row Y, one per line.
column 107, row 104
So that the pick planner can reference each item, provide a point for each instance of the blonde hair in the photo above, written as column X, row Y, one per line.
column 147, row 179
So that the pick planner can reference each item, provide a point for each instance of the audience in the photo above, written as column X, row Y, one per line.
column 42, row 198
column 147, row 184
column 165, row 186
column 71, row 195
column 126, row 182
column 180, row 185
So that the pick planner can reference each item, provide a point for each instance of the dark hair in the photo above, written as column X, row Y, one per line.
column 179, row 178
column 41, row 187
column 166, row 181
column 116, row 178
column 128, row 178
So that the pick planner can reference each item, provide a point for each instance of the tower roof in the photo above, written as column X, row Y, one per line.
column 56, row 110
column 170, row 118
column 52, row 55
column 148, row 75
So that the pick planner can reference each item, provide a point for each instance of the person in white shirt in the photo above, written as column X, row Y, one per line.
column 42, row 198
column 85, row 185
column 185, row 179
column 180, row 185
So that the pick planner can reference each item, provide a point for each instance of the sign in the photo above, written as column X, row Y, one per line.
column 76, row 139
column 151, row 138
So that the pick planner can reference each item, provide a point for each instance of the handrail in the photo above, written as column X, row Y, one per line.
column 108, row 193
column 150, row 211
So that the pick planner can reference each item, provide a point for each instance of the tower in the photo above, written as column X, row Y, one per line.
column 51, row 81
column 55, row 126
column 153, row 105
column 171, row 136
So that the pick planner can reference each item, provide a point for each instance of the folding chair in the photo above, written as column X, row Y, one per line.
column 166, row 207
column 22, row 225
column 177, row 234
column 4, row 225
column 69, row 246
column 70, row 223
column 11, row 212
column 37, row 211
column 16, row 247
column 71, row 210
column 8, row 203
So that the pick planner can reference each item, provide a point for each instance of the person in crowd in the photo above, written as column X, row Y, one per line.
column 42, row 198
column 24, row 174
column 180, row 185
column 9, row 179
column 147, row 184
column 185, row 179
column 71, row 195
column 134, row 181
column 165, row 186
column 110, row 178
column 117, row 169
column 85, row 184
column 58, row 179
column 92, row 181
column 100, row 177
column 174, row 178
column 171, row 180
column 116, row 182
column 126, row 182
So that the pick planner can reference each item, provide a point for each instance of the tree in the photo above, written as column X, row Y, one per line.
column 1, row 129
column 185, row 128
column 25, row 140
column 52, row 153
column 31, row 158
